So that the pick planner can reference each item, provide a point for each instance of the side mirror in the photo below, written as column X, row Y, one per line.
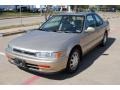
column 90, row 29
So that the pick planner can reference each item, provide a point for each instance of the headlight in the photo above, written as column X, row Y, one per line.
column 56, row 55
column 10, row 48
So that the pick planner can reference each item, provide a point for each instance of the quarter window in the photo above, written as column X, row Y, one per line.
column 98, row 20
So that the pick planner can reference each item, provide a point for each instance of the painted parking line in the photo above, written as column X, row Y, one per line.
column 1, row 53
column 31, row 80
column 1, row 34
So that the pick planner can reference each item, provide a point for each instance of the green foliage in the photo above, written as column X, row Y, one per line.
column 79, row 8
column 9, row 14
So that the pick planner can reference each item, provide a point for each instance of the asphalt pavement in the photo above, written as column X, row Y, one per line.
column 100, row 66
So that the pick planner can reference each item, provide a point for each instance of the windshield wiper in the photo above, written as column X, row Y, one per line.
column 67, row 31
column 62, row 31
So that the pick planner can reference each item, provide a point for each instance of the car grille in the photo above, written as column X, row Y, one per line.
column 23, row 52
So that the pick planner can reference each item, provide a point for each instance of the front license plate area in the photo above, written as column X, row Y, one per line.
column 19, row 62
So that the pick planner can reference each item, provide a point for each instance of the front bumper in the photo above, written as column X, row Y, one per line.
column 45, row 66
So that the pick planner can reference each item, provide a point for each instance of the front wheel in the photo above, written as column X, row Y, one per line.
column 73, row 61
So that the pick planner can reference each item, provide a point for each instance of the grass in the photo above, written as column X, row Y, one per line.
column 14, row 14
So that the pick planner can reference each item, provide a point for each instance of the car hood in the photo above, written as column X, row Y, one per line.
column 41, row 40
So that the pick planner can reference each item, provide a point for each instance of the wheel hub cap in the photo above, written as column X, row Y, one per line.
column 105, row 39
column 74, row 60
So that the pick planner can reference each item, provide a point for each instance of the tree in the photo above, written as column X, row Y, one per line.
column 48, row 11
column 78, row 8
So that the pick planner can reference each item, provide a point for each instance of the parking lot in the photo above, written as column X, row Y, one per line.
column 100, row 66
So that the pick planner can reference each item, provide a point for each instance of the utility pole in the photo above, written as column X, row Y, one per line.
column 20, row 16
column 69, row 8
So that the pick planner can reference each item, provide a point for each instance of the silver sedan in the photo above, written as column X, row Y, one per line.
column 59, row 43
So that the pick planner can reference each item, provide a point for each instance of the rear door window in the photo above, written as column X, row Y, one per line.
column 90, row 21
column 99, row 21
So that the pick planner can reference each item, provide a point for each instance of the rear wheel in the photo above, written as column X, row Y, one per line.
column 73, row 61
column 104, row 40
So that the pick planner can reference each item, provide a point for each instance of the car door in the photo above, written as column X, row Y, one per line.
column 100, row 28
column 89, row 38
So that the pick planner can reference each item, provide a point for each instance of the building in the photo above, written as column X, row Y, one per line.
column 7, row 7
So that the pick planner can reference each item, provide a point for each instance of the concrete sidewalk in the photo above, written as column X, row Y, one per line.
column 12, row 31
column 19, row 21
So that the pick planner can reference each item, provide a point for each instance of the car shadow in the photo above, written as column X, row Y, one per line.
column 87, row 61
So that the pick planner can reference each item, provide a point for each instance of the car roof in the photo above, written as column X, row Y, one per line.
column 78, row 13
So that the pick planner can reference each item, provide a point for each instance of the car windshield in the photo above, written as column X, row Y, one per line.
column 64, row 23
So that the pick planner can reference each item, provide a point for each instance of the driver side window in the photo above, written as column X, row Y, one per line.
column 90, row 21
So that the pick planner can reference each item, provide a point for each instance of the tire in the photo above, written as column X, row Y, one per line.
column 73, row 61
column 104, row 40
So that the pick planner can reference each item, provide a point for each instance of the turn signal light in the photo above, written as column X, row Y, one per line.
column 43, row 66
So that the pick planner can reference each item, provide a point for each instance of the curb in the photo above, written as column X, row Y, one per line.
column 12, row 33
column 23, row 25
column 16, row 32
